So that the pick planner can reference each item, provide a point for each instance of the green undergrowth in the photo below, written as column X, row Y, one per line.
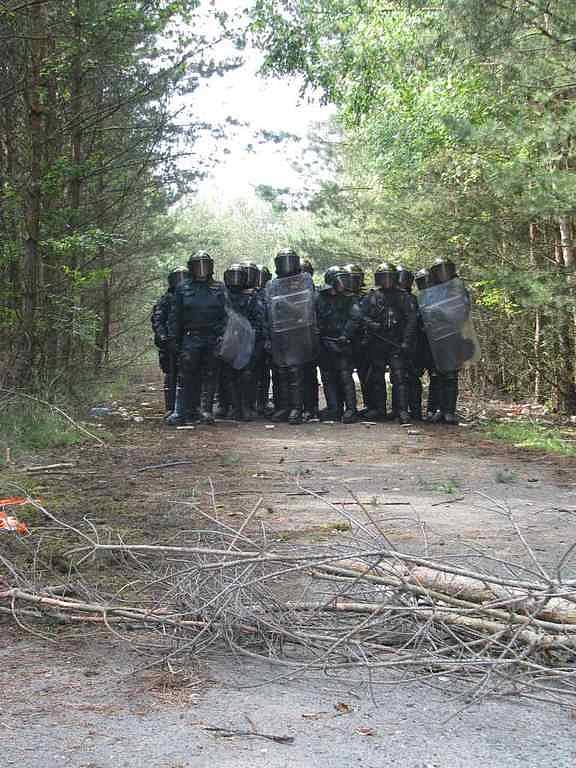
column 31, row 426
column 534, row 436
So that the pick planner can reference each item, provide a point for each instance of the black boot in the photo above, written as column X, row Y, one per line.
column 209, row 390
column 263, row 390
column 177, row 418
column 281, row 397
column 169, row 397
column 401, row 388
column 450, row 398
column 378, row 394
column 415, row 396
column 246, row 388
column 295, row 394
column 350, row 415
column 330, row 413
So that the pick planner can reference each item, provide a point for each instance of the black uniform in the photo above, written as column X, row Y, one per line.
column 291, row 378
column 167, row 352
column 338, row 316
column 238, row 385
column 442, row 271
column 389, row 318
column 167, row 358
column 424, row 361
column 196, row 323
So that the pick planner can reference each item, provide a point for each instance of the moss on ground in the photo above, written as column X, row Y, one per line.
column 534, row 436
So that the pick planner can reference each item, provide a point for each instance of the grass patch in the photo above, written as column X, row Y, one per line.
column 447, row 486
column 28, row 426
column 534, row 436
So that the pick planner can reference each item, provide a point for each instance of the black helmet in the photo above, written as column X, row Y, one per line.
column 330, row 273
column 252, row 274
column 442, row 270
column 405, row 278
column 201, row 267
column 236, row 276
column 386, row 276
column 422, row 279
column 264, row 275
column 307, row 266
column 356, row 276
column 287, row 263
column 176, row 277
column 338, row 278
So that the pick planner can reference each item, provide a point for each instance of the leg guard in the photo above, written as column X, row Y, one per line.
column 350, row 414
column 281, row 395
column 177, row 417
column 416, row 398
column 450, row 397
column 400, row 387
column 295, row 393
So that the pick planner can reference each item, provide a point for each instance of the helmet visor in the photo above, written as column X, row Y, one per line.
column 287, row 264
column 201, row 268
column 386, row 280
column 235, row 277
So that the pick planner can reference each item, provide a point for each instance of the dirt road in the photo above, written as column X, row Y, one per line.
column 75, row 702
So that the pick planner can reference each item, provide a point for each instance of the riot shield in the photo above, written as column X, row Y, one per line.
column 290, row 303
column 237, row 346
column 445, row 311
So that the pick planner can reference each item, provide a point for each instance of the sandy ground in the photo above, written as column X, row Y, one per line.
column 86, row 701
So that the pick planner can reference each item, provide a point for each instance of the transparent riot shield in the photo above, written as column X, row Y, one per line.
column 447, row 318
column 290, row 303
column 237, row 346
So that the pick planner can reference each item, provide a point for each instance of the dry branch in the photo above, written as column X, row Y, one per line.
column 358, row 603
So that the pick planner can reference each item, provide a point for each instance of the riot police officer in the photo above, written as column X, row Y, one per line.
column 239, row 280
column 389, row 318
column 291, row 332
column 196, row 324
column 443, row 271
column 338, row 316
column 361, row 361
column 414, row 359
column 263, row 360
column 167, row 353
column 310, row 393
column 423, row 354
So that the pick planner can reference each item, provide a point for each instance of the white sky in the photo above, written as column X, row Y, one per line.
column 271, row 104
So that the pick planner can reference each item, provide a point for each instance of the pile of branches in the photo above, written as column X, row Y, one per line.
column 356, row 604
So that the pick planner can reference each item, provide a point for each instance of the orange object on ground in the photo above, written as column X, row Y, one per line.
column 13, row 501
column 8, row 523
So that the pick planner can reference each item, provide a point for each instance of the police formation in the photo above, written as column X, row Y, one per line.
column 250, row 347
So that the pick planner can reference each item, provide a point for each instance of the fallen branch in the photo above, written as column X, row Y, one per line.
column 167, row 465
column 228, row 732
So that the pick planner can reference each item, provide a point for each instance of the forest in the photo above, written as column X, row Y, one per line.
column 453, row 135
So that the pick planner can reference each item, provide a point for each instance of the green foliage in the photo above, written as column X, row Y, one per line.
column 89, row 168
column 534, row 436
column 458, row 125
column 239, row 232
